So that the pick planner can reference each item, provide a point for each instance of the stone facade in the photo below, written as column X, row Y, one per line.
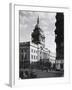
column 30, row 52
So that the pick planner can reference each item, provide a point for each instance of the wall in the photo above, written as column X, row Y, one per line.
column 33, row 51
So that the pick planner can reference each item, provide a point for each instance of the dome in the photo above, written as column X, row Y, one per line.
column 38, row 36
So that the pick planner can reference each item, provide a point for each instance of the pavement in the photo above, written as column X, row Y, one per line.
column 41, row 74
column 45, row 74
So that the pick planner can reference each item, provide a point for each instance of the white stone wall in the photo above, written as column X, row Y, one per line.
column 33, row 53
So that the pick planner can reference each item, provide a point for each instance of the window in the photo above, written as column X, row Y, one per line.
column 34, row 51
column 34, row 57
column 31, row 50
column 22, row 50
column 25, row 56
column 31, row 56
column 22, row 57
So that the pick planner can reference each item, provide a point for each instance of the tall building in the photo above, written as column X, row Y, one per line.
column 27, row 54
column 59, row 39
column 35, row 50
column 24, row 54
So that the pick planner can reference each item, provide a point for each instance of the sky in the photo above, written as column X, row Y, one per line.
column 27, row 22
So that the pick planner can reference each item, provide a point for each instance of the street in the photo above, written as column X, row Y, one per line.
column 37, row 73
column 41, row 74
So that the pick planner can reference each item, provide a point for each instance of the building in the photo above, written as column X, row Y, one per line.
column 34, row 50
column 30, row 52
column 24, row 54
column 59, row 39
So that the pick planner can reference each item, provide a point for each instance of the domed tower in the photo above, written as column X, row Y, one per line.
column 38, row 36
